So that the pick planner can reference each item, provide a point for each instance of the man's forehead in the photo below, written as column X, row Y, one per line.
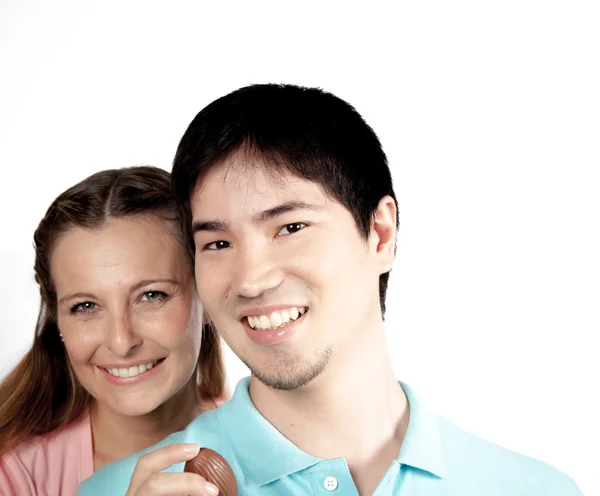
column 245, row 176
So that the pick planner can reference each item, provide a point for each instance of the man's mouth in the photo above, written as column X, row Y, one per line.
column 135, row 370
column 275, row 320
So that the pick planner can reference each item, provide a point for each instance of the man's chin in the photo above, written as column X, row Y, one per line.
column 291, row 374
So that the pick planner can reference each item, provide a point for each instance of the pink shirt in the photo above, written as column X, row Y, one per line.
column 50, row 465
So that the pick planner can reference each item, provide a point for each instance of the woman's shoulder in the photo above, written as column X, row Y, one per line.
column 49, row 464
column 63, row 440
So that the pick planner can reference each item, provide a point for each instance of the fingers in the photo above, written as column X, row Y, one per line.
column 148, row 479
column 176, row 484
column 162, row 458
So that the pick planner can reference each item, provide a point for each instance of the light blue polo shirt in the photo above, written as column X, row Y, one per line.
column 437, row 458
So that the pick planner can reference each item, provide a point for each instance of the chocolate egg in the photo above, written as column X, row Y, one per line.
column 213, row 467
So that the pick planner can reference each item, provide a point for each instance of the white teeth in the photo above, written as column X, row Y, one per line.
column 131, row 371
column 275, row 319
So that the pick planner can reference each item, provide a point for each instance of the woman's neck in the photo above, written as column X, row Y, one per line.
column 116, row 436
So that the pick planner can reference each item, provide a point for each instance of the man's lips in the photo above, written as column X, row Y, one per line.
column 272, row 318
column 274, row 335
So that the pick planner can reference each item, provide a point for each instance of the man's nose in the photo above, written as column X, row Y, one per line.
column 255, row 273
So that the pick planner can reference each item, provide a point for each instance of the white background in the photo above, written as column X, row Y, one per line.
column 489, row 113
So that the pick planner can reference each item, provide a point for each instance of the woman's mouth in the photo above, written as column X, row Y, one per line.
column 134, row 370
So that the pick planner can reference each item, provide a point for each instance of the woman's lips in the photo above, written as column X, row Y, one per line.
column 134, row 374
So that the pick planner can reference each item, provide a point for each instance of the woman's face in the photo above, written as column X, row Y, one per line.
column 128, row 311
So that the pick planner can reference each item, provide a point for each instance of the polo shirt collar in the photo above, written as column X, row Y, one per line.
column 266, row 455
column 422, row 447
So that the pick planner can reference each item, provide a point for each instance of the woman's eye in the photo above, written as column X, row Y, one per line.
column 217, row 245
column 291, row 228
column 153, row 296
column 83, row 307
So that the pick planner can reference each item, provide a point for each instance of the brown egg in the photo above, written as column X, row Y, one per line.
column 213, row 467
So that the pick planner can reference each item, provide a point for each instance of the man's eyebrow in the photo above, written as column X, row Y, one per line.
column 284, row 208
column 271, row 213
column 209, row 225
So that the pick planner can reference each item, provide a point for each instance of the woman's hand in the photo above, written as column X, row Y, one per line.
column 149, row 480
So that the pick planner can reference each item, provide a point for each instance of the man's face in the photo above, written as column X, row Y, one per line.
column 283, row 272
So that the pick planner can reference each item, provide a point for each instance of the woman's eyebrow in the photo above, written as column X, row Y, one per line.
column 137, row 285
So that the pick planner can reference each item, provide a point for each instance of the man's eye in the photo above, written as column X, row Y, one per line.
column 217, row 245
column 291, row 228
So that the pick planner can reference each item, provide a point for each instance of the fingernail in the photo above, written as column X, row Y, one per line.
column 211, row 489
column 188, row 449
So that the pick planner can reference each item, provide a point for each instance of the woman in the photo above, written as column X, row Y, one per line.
column 120, row 358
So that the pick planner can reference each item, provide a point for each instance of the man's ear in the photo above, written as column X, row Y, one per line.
column 383, row 233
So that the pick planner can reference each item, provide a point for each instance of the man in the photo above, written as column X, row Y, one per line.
column 289, row 204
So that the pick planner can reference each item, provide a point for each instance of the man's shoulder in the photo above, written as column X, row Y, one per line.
column 475, row 461
column 205, row 428
column 114, row 478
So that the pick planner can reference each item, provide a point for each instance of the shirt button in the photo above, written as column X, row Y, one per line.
column 330, row 483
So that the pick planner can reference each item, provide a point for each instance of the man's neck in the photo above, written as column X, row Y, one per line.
column 357, row 401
